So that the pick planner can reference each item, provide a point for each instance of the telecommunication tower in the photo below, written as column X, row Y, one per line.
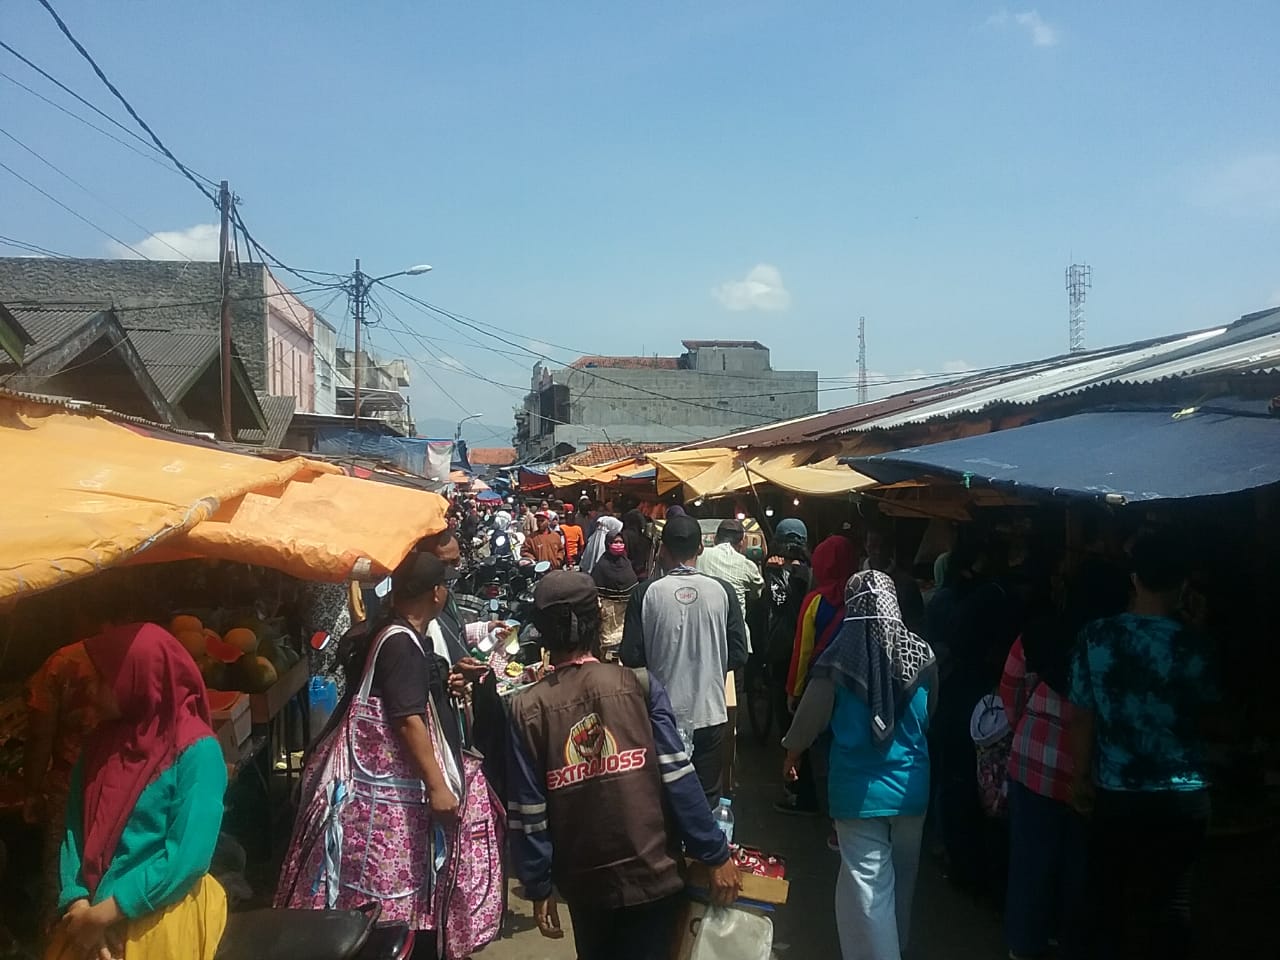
column 862, row 359
column 1079, row 283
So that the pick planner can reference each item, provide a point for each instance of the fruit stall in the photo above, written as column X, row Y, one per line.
column 106, row 519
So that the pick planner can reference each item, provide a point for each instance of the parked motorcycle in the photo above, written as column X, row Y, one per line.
column 315, row 935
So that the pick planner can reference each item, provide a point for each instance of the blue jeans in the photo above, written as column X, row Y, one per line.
column 1048, row 874
column 879, row 858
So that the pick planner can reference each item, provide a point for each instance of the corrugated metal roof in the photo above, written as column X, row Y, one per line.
column 278, row 412
column 50, row 324
column 175, row 358
column 1250, row 345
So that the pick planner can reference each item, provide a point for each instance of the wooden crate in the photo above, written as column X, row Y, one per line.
column 264, row 707
column 233, row 726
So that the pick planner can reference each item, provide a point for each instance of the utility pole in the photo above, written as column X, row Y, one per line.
column 359, row 292
column 224, row 262
column 862, row 359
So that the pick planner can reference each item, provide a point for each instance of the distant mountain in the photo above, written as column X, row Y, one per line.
column 477, row 433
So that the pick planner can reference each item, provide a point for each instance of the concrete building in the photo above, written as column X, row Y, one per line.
column 273, row 330
column 382, row 385
column 714, row 387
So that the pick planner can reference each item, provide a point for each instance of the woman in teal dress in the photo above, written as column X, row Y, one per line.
column 144, row 810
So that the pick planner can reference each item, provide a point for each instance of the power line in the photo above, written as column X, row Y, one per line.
column 33, row 248
column 592, row 373
column 78, row 216
column 139, row 308
column 266, row 254
column 520, row 392
column 62, row 173
column 92, row 106
column 145, row 154
column 66, row 32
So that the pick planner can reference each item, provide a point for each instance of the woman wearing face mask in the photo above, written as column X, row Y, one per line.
column 615, row 579
column 595, row 549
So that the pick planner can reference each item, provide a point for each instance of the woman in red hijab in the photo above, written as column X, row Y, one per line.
column 144, row 811
column 835, row 561
column 822, row 614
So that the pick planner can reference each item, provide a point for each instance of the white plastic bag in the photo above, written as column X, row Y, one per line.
column 726, row 933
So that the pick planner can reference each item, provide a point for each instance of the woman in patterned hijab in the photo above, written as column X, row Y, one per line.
column 873, row 689
column 874, row 655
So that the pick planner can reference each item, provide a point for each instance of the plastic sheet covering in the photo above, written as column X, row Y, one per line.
column 1120, row 455
column 83, row 493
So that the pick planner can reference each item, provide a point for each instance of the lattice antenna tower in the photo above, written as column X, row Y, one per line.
column 1079, row 283
column 862, row 359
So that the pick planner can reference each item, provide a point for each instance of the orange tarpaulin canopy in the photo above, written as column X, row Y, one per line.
column 83, row 493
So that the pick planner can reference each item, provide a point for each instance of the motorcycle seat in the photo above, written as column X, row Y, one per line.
column 287, row 934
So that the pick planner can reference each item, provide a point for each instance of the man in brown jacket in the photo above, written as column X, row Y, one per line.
column 546, row 544
column 602, row 792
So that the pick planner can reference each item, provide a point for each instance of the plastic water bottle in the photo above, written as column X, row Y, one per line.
column 322, row 694
column 723, row 817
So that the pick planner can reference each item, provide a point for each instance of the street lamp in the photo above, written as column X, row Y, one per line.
column 457, row 435
column 359, row 291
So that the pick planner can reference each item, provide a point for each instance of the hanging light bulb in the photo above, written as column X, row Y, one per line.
column 768, row 511
column 742, row 516
column 796, row 501
column 698, row 502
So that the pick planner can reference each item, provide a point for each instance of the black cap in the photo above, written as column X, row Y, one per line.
column 682, row 536
column 564, row 587
column 731, row 530
column 418, row 573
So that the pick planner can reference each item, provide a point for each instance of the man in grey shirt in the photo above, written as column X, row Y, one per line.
column 687, row 629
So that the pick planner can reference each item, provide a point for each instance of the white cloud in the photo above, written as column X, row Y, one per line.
column 760, row 289
column 1244, row 186
column 957, row 366
column 198, row 243
column 1039, row 31
column 449, row 361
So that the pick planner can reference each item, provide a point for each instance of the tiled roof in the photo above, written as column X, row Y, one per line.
column 627, row 363
column 598, row 453
column 278, row 412
column 175, row 358
column 491, row 456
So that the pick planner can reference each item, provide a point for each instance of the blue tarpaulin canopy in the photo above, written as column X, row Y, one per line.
column 1118, row 455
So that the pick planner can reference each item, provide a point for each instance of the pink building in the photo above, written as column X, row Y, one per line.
column 291, row 350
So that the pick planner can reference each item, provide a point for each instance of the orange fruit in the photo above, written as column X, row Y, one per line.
column 185, row 623
column 243, row 639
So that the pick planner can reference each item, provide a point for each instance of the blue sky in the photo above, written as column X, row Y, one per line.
column 617, row 177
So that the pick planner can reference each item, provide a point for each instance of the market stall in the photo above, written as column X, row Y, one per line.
column 109, row 520
column 1079, row 491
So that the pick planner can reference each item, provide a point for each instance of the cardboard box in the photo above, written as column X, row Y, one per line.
column 265, row 706
column 233, row 725
column 760, row 889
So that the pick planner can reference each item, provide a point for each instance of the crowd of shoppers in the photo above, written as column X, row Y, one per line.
column 1080, row 810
